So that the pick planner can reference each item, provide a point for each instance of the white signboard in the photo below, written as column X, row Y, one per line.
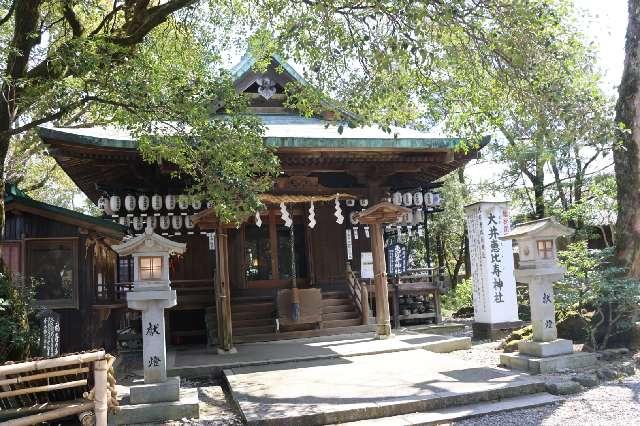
column 494, row 285
column 366, row 264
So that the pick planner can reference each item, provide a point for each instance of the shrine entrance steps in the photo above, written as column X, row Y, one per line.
column 408, row 387
column 254, row 319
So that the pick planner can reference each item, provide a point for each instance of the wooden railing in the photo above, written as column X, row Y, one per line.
column 359, row 294
column 41, row 390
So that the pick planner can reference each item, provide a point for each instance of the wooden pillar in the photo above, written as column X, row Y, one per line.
column 380, row 280
column 223, row 292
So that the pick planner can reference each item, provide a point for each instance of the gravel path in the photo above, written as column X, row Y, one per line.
column 611, row 403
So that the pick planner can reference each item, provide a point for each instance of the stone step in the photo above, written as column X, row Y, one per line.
column 336, row 302
column 461, row 412
column 341, row 323
column 337, row 308
column 243, row 331
column 287, row 335
column 340, row 315
column 157, row 412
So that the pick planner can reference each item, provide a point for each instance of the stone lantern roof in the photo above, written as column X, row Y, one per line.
column 548, row 228
column 149, row 242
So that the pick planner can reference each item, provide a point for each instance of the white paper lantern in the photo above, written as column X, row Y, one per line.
column 418, row 199
column 364, row 202
column 176, row 222
column 397, row 198
column 138, row 223
column 418, row 216
column 437, row 199
column 114, row 203
column 124, row 221
column 156, row 202
column 183, row 202
column 153, row 221
column 351, row 202
column 407, row 199
column 209, row 204
column 353, row 219
column 196, row 204
column 170, row 201
column 428, row 199
column 143, row 203
column 165, row 222
column 130, row 203
column 102, row 202
column 408, row 218
column 188, row 222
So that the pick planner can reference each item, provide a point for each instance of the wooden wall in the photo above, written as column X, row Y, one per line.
column 80, row 328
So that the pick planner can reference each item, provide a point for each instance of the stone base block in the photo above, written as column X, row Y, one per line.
column 223, row 352
column 168, row 391
column 546, row 349
column 537, row 365
column 158, row 412
column 494, row 331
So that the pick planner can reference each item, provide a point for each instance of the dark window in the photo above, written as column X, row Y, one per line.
column 54, row 264
column 258, row 253
column 125, row 269
column 284, row 251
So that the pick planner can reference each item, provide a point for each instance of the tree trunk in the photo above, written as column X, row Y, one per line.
column 4, row 149
column 627, row 155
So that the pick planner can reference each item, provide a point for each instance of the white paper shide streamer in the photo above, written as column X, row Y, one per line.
column 312, row 216
column 258, row 220
column 338, row 213
column 285, row 216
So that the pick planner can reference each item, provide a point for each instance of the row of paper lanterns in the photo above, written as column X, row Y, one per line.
column 417, row 198
column 114, row 204
column 165, row 223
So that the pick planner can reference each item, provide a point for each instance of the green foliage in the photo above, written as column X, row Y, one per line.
column 598, row 292
column 459, row 297
column 19, row 335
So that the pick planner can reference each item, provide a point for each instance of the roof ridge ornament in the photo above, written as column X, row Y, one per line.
column 266, row 87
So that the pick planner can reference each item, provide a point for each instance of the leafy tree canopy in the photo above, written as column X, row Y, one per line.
column 157, row 67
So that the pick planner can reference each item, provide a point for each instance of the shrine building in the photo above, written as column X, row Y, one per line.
column 238, row 283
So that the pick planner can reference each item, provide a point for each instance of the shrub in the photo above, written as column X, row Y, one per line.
column 459, row 298
column 19, row 333
column 598, row 292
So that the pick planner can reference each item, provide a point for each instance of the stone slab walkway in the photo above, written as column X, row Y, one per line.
column 353, row 388
column 203, row 362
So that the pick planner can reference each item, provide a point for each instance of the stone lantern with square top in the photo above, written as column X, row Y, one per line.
column 539, row 268
column 152, row 294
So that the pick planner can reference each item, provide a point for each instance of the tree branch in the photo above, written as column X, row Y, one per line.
column 6, row 17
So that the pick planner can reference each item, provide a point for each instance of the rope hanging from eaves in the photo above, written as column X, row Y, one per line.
column 277, row 199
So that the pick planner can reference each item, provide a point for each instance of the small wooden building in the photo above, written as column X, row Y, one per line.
column 69, row 254
column 322, row 161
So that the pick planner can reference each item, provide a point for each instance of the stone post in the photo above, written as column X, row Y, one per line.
column 495, row 304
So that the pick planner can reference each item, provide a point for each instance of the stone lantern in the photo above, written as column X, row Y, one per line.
column 152, row 294
column 539, row 268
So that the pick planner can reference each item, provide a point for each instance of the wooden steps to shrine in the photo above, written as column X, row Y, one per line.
column 253, row 319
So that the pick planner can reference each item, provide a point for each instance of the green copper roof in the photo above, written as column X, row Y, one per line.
column 248, row 61
column 13, row 194
column 281, row 131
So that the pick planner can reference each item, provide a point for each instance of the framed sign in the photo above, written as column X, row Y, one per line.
column 366, row 264
column 397, row 258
